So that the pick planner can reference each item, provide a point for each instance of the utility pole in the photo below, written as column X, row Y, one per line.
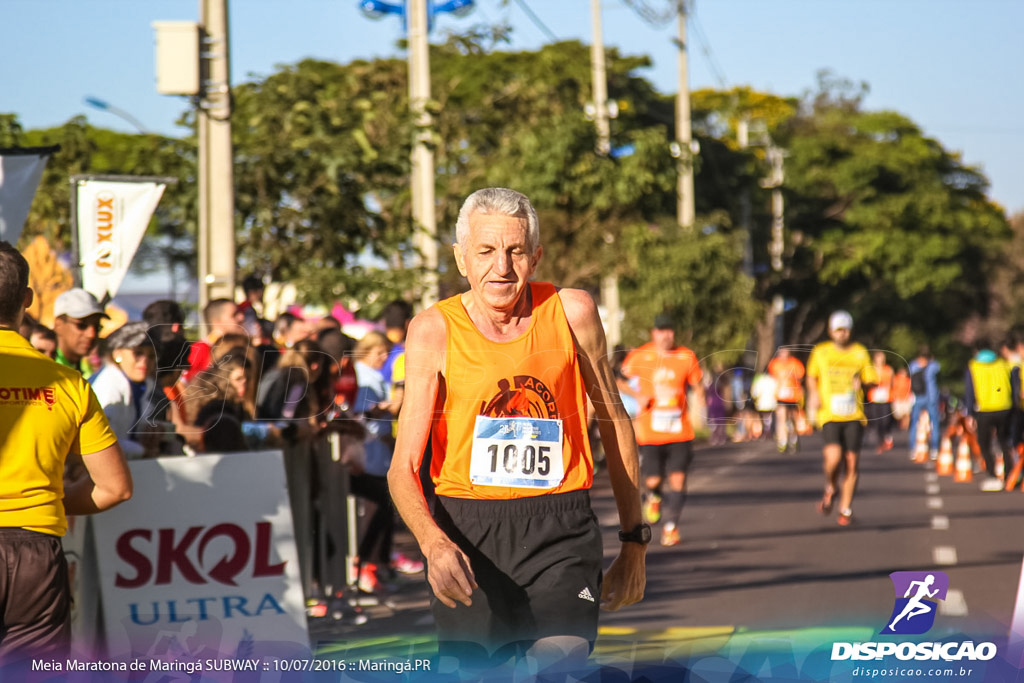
column 599, row 79
column 743, row 140
column 777, row 244
column 216, row 170
column 423, row 211
column 685, row 211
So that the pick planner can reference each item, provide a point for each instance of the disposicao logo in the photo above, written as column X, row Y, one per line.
column 917, row 594
column 916, row 603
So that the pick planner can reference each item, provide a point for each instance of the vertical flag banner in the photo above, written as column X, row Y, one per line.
column 112, row 216
column 20, row 171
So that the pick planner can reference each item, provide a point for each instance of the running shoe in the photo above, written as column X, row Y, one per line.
column 992, row 484
column 368, row 580
column 405, row 565
column 794, row 445
column 824, row 505
column 652, row 508
column 780, row 447
column 670, row 536
column 845, row 518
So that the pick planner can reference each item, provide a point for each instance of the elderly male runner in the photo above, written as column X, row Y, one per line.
column 498, row 378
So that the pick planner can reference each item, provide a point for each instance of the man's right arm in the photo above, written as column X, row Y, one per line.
column 108, row 483
column 449, row 572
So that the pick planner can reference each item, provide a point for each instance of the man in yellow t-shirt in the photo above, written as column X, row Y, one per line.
column 839, row 372
column 48, row 415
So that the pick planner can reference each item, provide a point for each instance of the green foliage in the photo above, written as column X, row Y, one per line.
column 879, row 218
column 694, row 278
column 321, row 162
column 885, row 222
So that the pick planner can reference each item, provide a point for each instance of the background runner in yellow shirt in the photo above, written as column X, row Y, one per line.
column 838, row 373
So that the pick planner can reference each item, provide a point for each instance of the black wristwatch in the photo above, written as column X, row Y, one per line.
column 641, row 534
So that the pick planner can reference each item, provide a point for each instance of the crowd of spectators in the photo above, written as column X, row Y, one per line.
column 244, row 383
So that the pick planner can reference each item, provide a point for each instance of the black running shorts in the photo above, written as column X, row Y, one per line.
column 849, row 435
column 663, row 459
column 35, row 620
column 537, row 563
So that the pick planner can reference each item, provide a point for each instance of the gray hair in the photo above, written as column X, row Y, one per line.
column 499, row 201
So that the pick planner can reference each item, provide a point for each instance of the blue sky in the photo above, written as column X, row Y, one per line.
column 952, row 66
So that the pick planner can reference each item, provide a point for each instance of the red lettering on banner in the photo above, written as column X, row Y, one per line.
column 173, row 555
column 134, row 558
column 228, row 568
column 173, row 552
column 261, row 563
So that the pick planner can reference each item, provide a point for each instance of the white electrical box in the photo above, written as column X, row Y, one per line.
column 177, row 57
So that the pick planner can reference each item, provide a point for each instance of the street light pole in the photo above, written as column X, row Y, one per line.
column 216, row 171
column 599, row 86
column 423, row 211
column 685, row 211
column 418, row 16
column 103, row 105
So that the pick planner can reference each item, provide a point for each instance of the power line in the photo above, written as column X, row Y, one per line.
column 660, row 19
column 652, row 16
column 705, row 45
column 536, row 20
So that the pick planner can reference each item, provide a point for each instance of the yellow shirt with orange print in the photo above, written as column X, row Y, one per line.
column 46, row 412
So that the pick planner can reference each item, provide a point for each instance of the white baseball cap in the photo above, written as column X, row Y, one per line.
column 77, row 303
column 840, row 320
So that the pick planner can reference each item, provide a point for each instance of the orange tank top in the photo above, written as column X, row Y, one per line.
column 523, row 391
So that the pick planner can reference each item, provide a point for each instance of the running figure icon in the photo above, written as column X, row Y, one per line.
column 920, row 593
column 916, row 606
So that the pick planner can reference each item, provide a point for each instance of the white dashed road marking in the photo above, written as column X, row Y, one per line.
column 940, row 522
column 954, row 605
column 944, row 554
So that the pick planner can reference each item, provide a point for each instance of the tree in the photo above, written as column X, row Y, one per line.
column 321, row 165
column 882, row 221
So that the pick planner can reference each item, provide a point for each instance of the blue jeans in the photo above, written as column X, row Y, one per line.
column 932, row 407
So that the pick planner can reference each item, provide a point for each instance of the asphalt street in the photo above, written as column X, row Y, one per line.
column 756, row 557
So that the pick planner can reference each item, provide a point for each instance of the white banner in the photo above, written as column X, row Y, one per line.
column 201, row 562
column 112, row 218
column 19, row 178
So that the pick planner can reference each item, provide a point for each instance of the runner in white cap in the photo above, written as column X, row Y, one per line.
column 839, row 372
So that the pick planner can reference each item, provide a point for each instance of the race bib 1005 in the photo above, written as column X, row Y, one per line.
column 520, row 452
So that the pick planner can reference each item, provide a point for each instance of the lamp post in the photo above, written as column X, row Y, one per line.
column 418, row 18
column 103, row 105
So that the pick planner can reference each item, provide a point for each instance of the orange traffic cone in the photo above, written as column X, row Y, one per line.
column 944, row 464
column 1016, row 472
column 1000, row 468
column 964, row 465
column 921, row 439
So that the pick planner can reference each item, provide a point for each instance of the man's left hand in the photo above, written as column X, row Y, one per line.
column 625, row 580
